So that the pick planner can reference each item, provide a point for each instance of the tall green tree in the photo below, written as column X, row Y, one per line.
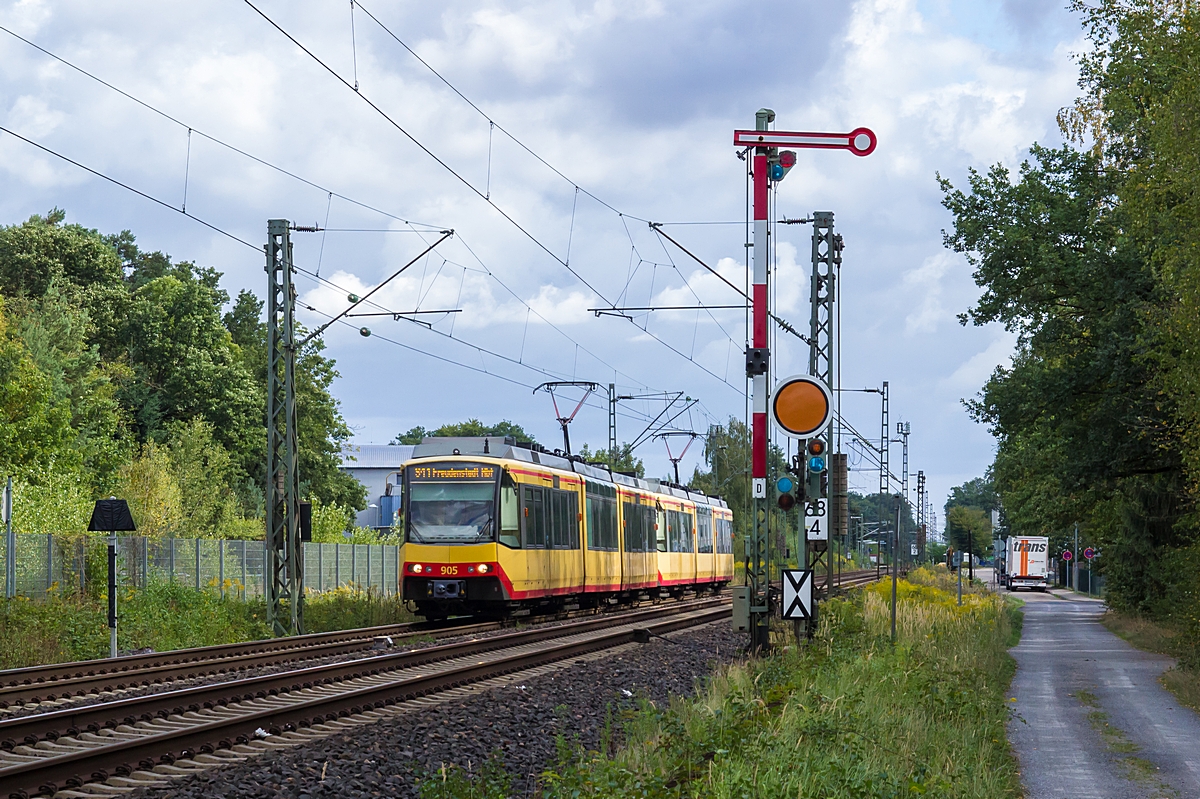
column 114, row 360
column 471, row 428
column 978, row 493
column 1085, row 432
column 321, row 430
column 968, row 529
column 623, row 460
column 56, row 328
column 35, row 429
column 185, row 363
column 1093, row 256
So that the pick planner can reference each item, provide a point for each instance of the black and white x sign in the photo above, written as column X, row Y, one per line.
column 797, row 594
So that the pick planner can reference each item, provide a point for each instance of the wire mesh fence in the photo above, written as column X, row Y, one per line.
column 44, row 564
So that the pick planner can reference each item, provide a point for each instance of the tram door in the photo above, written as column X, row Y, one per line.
column 535, row 519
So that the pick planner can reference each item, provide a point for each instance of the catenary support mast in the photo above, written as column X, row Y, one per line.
column 884, row 469
column 826, row 261
column 284, row 570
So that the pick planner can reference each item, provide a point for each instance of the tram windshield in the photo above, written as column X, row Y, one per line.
column 451, row 503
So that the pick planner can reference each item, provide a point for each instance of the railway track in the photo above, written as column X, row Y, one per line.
column 65, row 681
column 850, row 579
column 856, row 578
column 146, row 739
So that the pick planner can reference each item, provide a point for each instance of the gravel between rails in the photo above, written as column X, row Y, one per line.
column 521, row 722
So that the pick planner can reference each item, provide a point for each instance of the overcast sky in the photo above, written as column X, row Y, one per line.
column 617, row 112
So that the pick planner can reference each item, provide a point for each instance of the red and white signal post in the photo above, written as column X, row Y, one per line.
column 767, row 165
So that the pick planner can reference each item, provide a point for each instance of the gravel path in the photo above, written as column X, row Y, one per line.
column 521, row 722
column 1092, row 721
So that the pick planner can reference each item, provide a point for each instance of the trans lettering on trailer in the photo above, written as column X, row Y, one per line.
column 1031, row 546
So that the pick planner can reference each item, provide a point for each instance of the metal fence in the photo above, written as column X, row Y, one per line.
column 43, row 564
column 1090, row 582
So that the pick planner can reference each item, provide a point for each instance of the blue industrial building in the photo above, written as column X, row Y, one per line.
column 377, row 466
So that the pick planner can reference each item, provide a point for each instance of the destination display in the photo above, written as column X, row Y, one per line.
column 452, row 471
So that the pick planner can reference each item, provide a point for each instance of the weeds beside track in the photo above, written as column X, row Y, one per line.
column 849, row 714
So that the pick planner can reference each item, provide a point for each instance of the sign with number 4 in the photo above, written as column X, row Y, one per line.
column 816, row 520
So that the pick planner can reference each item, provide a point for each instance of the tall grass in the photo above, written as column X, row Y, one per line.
column 161, row 616
column 166, row 616
column 1167, row 638
column 346, row 608
column 847, row 715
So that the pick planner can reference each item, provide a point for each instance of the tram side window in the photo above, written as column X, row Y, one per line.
column 724, row 537
column 679, row 531
column 602, row 516
column 602, row 523
column 630, row 527
column 636, row 528
column 660, row 530
column 510, row 513
column 565, row 519
column 534, row 513
column 704, row 531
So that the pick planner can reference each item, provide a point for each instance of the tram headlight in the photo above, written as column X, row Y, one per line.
column 415, row 568
column 483, row 568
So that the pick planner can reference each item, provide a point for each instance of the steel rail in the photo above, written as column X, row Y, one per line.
column 149, row 673
column 29, row 730
column 128, row 663
column 45, row 775
column 66, row 680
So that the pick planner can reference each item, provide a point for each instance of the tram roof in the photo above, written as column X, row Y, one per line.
column 508, row 448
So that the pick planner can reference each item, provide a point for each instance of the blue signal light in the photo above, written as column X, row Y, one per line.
column 785, row 485
column 777, row 172
column 816, row 463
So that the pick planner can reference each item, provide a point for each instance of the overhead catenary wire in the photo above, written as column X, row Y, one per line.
column 128, row 188
column 491, row 122
column 215, row 140
column 404, row 131
column 482, row 195
column 258, row 248
column 411, row 225
column 329, row 192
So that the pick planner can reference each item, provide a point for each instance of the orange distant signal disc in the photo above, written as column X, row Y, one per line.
column 801, row 406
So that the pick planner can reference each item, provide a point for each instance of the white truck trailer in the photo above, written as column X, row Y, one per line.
column 1027, row 562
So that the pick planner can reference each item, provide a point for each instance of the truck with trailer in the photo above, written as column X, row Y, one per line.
column 1026, row 562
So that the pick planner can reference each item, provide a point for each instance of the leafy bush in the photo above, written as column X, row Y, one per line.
column 346, row 608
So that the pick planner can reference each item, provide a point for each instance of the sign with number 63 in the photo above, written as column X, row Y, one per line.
column 816, row 520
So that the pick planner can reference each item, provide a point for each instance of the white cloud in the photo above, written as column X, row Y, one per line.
column 926, row 281
column 27, row 16
column 974, row 372
column 32, row 117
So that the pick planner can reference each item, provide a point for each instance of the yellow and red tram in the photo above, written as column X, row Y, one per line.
column 492, row 527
